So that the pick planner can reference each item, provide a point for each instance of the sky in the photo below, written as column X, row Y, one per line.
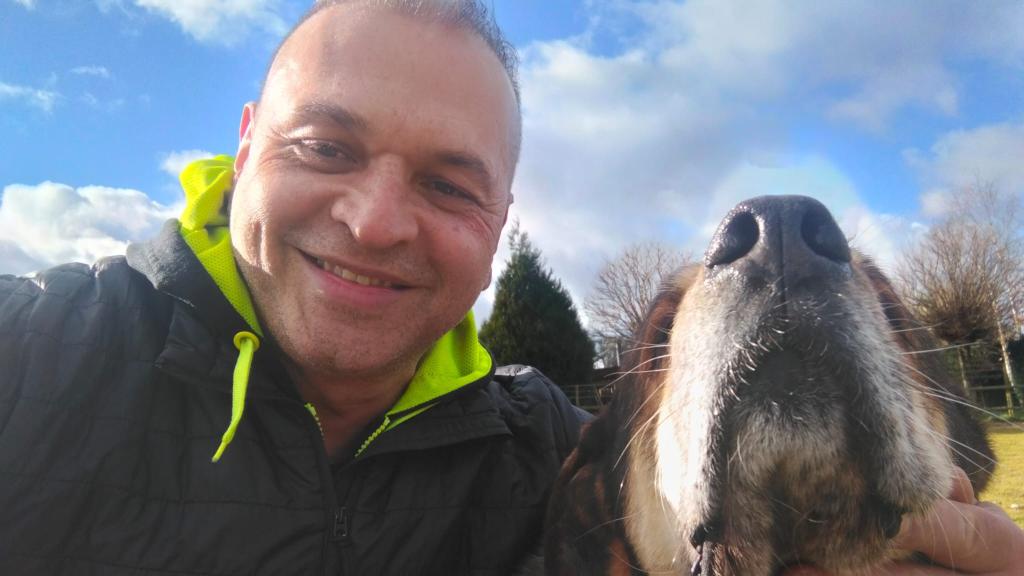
column 643, row 120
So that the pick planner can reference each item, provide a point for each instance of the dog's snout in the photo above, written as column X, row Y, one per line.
column 793, row 238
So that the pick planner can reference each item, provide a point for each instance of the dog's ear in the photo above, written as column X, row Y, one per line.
column 648, row 351
column 582, row 535
column 899, row 317
column 929, row 371
column 584, row 532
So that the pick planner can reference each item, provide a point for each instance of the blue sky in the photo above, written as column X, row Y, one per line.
column 644, row 120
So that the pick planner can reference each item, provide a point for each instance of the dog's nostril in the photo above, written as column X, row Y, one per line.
column 734, row 240
column 823, row 236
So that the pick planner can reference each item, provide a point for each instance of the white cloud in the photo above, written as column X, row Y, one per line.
column 219, row 21
column 29, row 4
column 174, row 162
column 112, row 105
column 14, row 260
column 97, row 71
column 657, row 140
column 935, row 202
column 961, row 158
column 50, row 223
column 883, row 237
column 44, row 100
column 872, row 105
column 865, row 61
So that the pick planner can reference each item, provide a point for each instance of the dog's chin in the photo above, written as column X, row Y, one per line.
column 799, row 513
column 765, row 530
column 783, row 483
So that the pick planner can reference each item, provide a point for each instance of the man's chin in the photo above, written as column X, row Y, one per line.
column 354, row 355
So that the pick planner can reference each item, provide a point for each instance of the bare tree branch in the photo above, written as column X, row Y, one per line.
column 626, row 286
column 966, row 275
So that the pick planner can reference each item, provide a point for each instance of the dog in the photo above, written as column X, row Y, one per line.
column 781, row 409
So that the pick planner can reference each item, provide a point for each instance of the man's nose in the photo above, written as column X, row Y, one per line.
column 787, row 241
column 380, row 210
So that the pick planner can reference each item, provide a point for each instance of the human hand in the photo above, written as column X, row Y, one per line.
column 960, row 535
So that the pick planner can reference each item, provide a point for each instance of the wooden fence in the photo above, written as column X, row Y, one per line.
column 984, row 375
column 979, row 368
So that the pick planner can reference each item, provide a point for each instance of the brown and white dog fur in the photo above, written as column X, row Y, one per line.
column 781, row 406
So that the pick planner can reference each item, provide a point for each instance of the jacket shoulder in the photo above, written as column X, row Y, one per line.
column 45, row 301
column 528, row 398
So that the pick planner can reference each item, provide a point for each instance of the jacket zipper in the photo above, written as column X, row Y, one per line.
column 340, row 532
column 390, row 417
column 335, row 517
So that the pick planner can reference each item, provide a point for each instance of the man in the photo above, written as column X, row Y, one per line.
column 304, row 325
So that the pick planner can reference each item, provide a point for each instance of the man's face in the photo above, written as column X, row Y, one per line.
column 372, row 185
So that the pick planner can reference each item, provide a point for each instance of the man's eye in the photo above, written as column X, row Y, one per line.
column 450, row 190
column 324, row 149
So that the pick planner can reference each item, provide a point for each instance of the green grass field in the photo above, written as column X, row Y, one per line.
column 1007, row 487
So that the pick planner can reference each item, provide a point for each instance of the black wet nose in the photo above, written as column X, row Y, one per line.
column 793, row 238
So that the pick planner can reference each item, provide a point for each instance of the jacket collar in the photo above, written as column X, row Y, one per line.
column 467, row 414
column 172, row 268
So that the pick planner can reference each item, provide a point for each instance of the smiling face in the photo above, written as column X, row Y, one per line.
column 372, row 185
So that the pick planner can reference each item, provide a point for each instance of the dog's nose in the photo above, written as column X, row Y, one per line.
column 770, row 238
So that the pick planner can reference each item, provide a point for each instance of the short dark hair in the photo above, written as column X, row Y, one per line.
column 472, row 15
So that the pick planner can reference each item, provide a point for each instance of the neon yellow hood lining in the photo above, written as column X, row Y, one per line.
column 456, row 359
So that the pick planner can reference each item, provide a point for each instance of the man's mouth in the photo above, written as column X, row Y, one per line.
column 349, row 275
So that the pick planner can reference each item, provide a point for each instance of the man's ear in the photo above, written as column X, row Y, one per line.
column 245, row 130
column 490, row 277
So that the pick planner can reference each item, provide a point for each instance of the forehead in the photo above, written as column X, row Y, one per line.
column 368, row 59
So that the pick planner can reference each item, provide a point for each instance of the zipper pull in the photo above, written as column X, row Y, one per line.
column 340, row 531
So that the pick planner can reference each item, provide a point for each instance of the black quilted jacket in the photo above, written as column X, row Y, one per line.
column 115, row 390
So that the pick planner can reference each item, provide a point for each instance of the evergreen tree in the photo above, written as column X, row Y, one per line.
column 534, row 321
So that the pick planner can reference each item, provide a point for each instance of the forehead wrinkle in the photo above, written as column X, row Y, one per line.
column 343, row 117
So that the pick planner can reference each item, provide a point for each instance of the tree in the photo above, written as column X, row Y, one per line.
column 623, row 291
column 965, row 278
column 534, row 321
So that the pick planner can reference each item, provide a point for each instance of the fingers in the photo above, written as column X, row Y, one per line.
column 994, row 508
column 969, row 538
column 963, row 490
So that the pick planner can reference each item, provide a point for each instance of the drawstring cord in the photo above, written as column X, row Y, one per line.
column 247, row 344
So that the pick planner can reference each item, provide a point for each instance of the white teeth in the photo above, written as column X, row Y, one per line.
column 351, row 276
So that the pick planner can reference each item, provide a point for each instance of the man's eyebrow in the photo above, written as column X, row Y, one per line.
column 471, row 163
column 339, row 115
